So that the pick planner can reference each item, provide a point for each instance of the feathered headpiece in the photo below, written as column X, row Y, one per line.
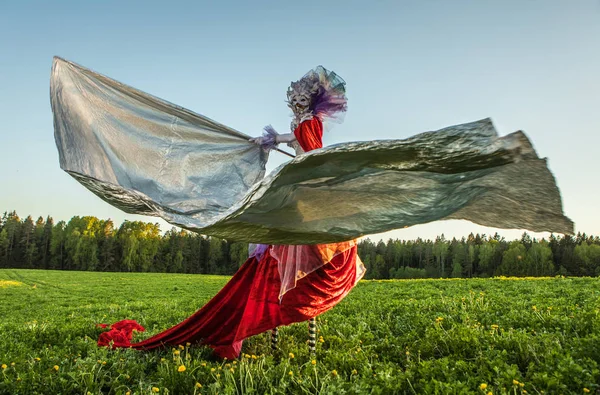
column 325, row 91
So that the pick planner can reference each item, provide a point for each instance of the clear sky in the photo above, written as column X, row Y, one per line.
column 410, row 66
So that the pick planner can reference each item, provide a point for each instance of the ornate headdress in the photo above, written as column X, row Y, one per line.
column 319, row 93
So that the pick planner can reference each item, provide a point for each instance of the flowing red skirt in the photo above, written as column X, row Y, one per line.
column 249, row 305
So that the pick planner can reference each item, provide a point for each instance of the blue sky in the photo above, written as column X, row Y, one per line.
column 410, row 66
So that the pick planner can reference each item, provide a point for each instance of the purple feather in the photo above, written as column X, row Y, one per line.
column 330, row 101
column 269, row 140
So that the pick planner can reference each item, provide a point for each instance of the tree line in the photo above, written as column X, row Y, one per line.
column 91, row 244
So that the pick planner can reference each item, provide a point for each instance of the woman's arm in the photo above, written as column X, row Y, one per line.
column 272, row 138
column 285, row 138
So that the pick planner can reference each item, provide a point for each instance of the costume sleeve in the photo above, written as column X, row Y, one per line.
column 310, row 134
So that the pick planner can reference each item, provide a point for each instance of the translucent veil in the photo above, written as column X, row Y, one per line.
column 297, row 261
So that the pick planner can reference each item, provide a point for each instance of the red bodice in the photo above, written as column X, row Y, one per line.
column 310, row 134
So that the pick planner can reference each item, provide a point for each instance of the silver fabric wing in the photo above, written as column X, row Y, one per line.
column 146, row 156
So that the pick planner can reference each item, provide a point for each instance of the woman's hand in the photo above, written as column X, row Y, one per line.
column 268, row 140
column 271, row 138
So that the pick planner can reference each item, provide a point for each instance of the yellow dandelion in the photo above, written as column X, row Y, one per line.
column 494, row 326
column 247, row 355
column 482, row 386
column 321, row 340
column 586, row 390
column 176, row 352
column 128, row 393
column 254, row 356
column 291, row 373
column 227, row 365
column 490, row 393
column 155, row 389
column 56, row 367
column 314, row 362
column 515, row 382
column 354, row 371
column 188, row 344
column 334, row 372
column 198, row 385
column 212, row 370
column 218, row 375
column 524, row 392
column 181, row 368
column 521, row 384
column 4, row 366
column 534, row 308
column 162, row 359
column 291, row 355
column 12, row 364
column 38, row 359
column 407, row 353
column 181, row 347
column 439, row 319
column 103, row 362
column 235, row 362
column 203, row 364
column 232, row 370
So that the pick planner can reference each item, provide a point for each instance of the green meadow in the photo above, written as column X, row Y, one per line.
column 459, row 336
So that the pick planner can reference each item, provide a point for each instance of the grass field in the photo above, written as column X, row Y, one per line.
column 480, row 336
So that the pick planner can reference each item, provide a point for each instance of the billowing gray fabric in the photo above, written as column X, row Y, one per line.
column 146, row 156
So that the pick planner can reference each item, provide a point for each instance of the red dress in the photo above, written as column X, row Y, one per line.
column 251, row 303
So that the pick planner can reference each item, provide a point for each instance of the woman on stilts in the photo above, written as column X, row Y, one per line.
column 278, row 284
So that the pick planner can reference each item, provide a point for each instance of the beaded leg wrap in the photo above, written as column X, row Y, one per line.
column 274, row 334
column 312, row 334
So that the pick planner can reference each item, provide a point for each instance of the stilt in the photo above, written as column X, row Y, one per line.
column 274, row 334
column 312, row 334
